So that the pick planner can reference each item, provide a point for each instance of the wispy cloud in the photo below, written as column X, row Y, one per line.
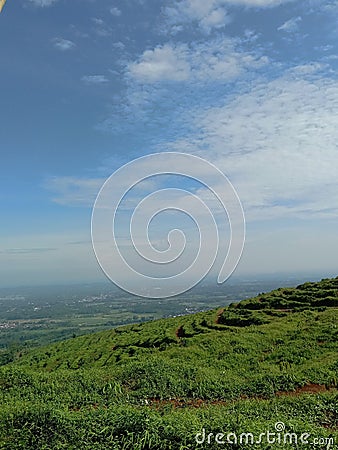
column 115, row 11
column 162, row 64
column 28, row 251
column 63, row 44
column 42, row 258
column 74, row 191
column 291, row 26
column 101, row 28
column 94, row 79
column 119, row 45
column 208, row 14
column 278, row 144
column 43, row 3
column 213, row 60
column 165, row 83
column 258, row 3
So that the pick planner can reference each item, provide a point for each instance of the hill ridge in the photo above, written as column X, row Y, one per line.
column 156, row 385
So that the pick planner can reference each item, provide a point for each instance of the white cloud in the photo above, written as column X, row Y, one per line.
column 278, row 145
column 219, row 60
column 63, row 44
column 94, row 79
column 308, row 69
column 217, row 18
column 214, row 60
column 162, row 64
column 291, row 26
column 208, row 14
column 115, row 11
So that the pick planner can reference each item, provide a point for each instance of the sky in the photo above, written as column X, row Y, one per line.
column 89, row 85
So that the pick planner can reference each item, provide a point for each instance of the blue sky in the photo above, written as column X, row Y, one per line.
column 88, row 85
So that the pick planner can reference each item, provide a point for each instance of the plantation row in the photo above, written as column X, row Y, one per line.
column 158, row 385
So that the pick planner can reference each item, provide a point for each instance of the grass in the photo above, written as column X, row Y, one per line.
column 156, row 385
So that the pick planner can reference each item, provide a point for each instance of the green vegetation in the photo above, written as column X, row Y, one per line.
column 31, row 317
column 155, row 385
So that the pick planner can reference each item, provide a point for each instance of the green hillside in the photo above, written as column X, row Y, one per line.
column 241, row 369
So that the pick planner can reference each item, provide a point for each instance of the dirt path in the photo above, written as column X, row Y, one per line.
column 198, row 402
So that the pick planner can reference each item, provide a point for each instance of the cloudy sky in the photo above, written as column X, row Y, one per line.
column 89, row 85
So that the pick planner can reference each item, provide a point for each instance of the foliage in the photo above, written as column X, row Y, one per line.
column 156, row 385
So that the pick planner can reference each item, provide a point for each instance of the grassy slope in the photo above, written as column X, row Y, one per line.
column 155, row 385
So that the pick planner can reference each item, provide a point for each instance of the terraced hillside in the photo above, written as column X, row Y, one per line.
column 266, row 360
